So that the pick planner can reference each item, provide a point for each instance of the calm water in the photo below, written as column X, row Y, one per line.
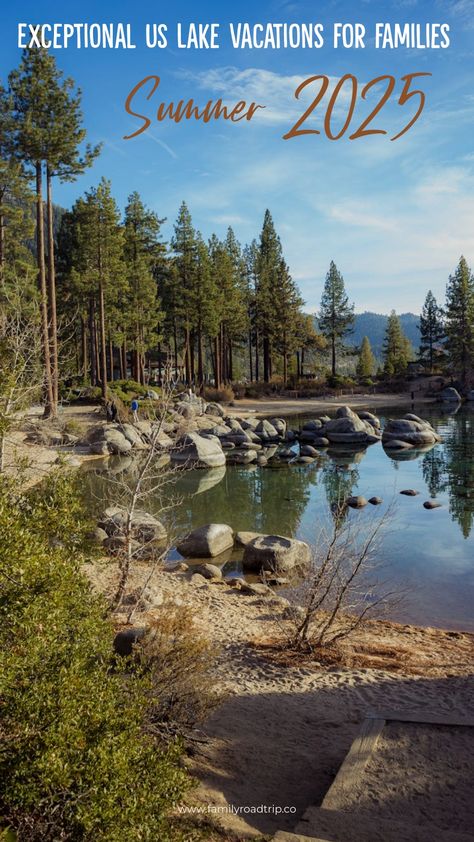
column 428, row 553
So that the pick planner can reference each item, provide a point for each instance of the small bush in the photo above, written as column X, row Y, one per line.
column 182, row 666
column 222, row 395
column 73, row 427
column 77, row 758
column 339, row 381
column 128, row 387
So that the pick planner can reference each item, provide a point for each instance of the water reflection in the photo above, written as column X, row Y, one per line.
column 433, row 551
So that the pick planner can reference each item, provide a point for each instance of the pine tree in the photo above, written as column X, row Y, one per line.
column 250, row 256
column 366, row 362
column 183, row 244
column 431, row 329
column 48, row 120
column 234, row 316
column 460, row 321
column 336, row 315
column 288, row 305
column 397, row 348
column 144, row 256
column 268, row 272
column 205, row 302
column 308, row 341
column 98, row 266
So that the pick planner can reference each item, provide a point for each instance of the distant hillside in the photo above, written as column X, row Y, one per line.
column 374, row 325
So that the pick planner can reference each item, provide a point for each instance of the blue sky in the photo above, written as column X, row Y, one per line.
column 395, row 216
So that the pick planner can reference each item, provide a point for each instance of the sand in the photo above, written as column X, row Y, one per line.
column 424, row 773
column 290, row 406
column 284, row 727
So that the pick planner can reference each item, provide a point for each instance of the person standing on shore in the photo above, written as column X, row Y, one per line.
column 134, row 407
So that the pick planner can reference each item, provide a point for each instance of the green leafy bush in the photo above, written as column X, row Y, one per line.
column 77, row 760
column 339, row 381
column 130, row 388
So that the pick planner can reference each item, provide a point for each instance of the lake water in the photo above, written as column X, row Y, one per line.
column 428, row 553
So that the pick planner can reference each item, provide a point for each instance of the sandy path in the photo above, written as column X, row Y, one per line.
column 284, row 728
column 424, row 772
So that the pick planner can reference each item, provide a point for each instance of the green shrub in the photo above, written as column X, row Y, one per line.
column 77, row 761
column 339, row 381
column 128, row 387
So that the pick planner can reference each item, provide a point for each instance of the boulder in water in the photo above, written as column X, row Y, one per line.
column 196, row 451
column 207, row 541
column 275, row 553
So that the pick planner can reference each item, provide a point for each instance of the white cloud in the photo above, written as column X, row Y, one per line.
column 273, row 90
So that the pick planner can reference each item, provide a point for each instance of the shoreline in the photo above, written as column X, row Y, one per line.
column 299, row 406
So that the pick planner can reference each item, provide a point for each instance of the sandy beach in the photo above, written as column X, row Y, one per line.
column 295, row 406
column 285, row 724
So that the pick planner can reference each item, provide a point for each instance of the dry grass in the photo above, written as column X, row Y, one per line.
column 383, row 645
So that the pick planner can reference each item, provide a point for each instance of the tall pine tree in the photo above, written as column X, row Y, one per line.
column 336, row 315
column 48, row 136
column 366, row 362
column 431, row 329
column 460, row 322
column 397, row 348
column 144, row 255
column 268, row 267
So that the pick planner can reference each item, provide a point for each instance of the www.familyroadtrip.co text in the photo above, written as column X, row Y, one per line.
column 243, row 809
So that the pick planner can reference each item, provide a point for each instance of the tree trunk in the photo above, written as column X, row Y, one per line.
column 49, row 406
column 84, row 348
column 53, row 324
column 160, row 365
column 103, row 352
column 123, row 360
column 175, row 342
column 217, row 368
column 111, row 361
column 200, row 357
column 93, row 342
column 250, row 356
column 257, row 357
column 266, row 359
column 231, row 362
column 187, row 356
column 191, row 355
column 2, row 238
column 333, row 354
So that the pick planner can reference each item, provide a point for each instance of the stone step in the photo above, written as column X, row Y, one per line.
column 320, row 825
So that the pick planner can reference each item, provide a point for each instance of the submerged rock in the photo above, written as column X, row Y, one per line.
column 209, row 571
column 144, row 526
column 397, row 444
column 254, row 588
column 432, row 504
column 450, row 394
column 207, row 541
column 307, row 450
column 356, row 502
column 409, row 492
column 244, row 538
